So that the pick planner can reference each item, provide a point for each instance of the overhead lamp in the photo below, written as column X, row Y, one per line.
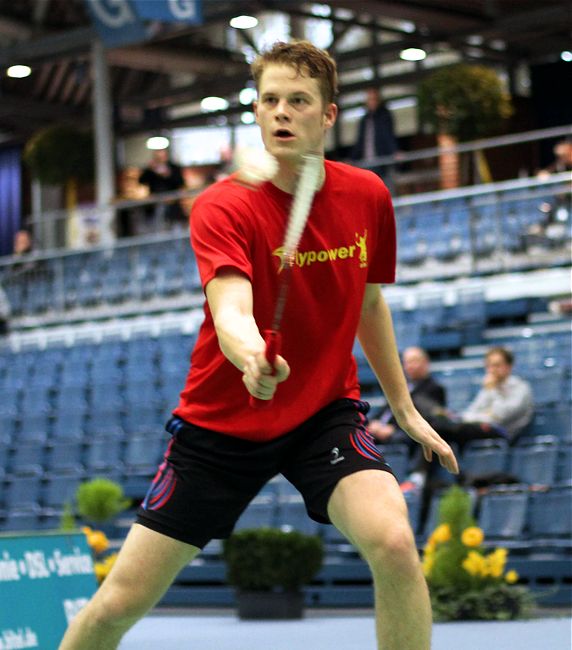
column 243, row 22
column 19, row 71
column 210, row 104
column 247, row 117
column 566, row 55
column 157, row 142
column 247, row 96
column 412, row 54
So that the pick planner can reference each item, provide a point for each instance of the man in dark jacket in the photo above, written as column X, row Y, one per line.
column 375, row 136
column 425, row 392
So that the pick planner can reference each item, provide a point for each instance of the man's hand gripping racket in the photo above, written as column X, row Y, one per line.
column 308, row 180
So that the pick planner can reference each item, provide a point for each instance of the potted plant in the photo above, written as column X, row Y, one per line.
column 98, row 502
column 467, row 582
column 462, row 102
column 268, row 567
column 62, row 155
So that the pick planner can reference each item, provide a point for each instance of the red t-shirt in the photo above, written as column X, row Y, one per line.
column 349, row 241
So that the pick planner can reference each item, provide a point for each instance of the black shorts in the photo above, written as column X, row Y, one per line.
column 207, row 479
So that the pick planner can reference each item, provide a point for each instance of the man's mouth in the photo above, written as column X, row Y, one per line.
column 283, row 134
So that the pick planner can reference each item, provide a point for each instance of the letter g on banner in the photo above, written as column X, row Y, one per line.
column 115, row 14
column 116, row 22
column 185, row 10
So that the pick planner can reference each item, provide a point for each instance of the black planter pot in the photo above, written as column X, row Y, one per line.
column 270, row 604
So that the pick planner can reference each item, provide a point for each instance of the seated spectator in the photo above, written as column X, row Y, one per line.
column 426, row 393
column 502, row 408
column 5, row 313
column 22, row 243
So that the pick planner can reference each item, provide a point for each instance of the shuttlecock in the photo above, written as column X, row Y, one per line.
column 255, row 166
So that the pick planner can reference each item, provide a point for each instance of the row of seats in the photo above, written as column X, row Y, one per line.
column 514, row 516
column 443, row 231
column 541, row 460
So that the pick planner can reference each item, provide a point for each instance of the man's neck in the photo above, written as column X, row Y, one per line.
column 287, row 178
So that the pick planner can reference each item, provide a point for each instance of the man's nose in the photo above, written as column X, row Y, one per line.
column 282, row 109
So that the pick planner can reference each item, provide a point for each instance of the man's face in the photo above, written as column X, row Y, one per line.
column 497, row 367
column 415, row 364
column 291, row 113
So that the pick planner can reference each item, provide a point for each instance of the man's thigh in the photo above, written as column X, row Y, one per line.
column 145, row 568
column 368, row 507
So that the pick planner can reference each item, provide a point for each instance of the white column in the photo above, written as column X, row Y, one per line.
column 103, row 135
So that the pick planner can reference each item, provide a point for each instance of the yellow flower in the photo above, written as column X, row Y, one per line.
column 428, row 563
column 511, row 577
column 429, row 547
column 475, row 564
column 86, row 530
column 441, row 534
column 98, row 541
column 472, row 536
column 103, row 568
column 496, row 562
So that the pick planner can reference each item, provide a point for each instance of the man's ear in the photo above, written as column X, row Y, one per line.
column 255, row 110
column 330, row 115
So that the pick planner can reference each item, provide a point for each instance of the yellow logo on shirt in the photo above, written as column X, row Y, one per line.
column 307, row 258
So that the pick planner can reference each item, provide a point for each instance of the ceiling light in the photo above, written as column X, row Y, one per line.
column 157, row 142
column 566, row 55
column 247, row 96
column 412, row 54
column 247, row 118
column 243, row 22
column 19, row 71
column 209, row 104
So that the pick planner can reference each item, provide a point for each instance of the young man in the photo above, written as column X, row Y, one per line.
column 314, row 432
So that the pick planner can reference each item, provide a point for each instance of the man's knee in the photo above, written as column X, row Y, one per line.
column 392, row 552
column 116, row 608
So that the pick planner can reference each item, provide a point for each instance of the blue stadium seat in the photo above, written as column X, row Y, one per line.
column 550, row 515
column 64, row 455
column 564, row 463
column 21, row 520
column 68, row 424
column 144, row 453
column 555, row 421
column 259, row 513
column 397, row 456
column 413, row 499
column 534, row 460
column 33, row 427
column 485, row 457
column 60, row 489
column 103, row 454
column 292, row 515
column 22, row 492
column 503, row 513
column 27, row 459
column 104, row 422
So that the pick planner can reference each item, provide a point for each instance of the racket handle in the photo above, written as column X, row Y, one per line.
column 273, row 340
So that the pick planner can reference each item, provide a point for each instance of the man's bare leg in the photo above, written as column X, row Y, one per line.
column 369, row 509
column 145, row 568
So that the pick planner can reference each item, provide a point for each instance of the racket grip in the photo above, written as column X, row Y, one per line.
column 273, row 340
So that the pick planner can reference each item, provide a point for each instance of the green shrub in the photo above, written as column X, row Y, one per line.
column 465, row 101
column 264, row 559
column 100, row 500
column 59, row 153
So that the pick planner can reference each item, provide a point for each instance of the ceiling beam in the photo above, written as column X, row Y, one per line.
column 53, row 47
column 168, row 60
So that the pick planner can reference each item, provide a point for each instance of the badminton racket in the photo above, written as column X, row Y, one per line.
column 308, row 180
